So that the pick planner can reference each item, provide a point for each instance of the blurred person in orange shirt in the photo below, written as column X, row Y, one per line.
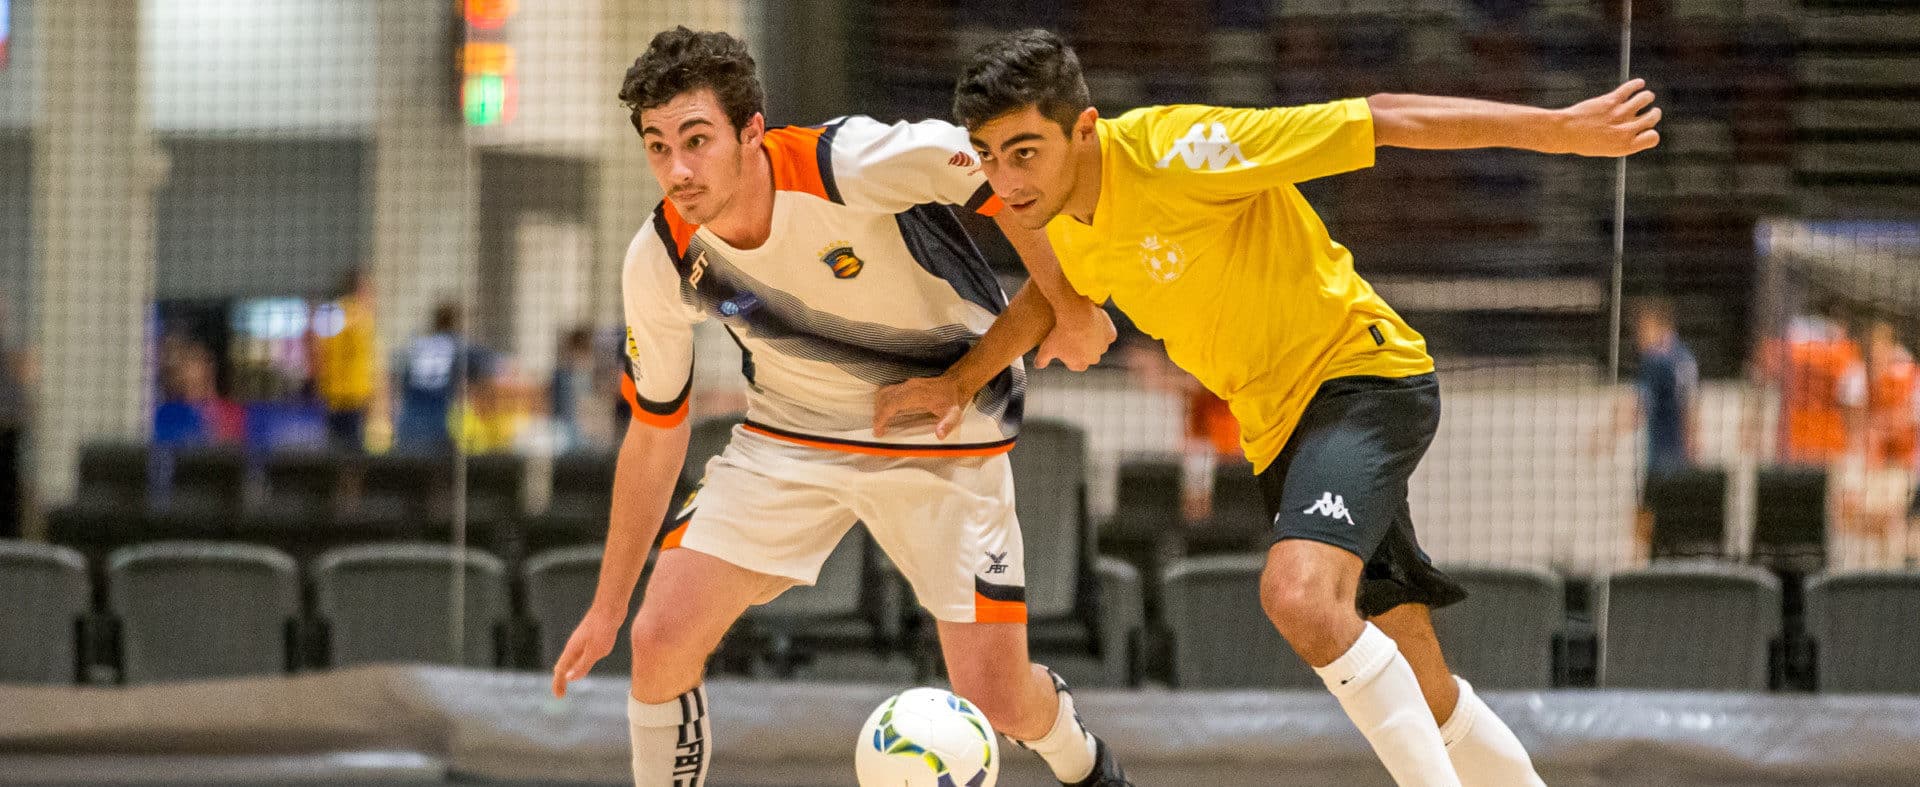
column 1212, row 434
column 1821, row 377
column 1893, row 399
column 345, row 361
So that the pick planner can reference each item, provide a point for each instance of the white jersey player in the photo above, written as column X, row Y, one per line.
column 832, row 255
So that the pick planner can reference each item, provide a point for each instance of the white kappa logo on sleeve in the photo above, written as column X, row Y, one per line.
column 1204, row 147
column 1331, row 505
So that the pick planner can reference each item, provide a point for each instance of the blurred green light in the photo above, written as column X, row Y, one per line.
column 485, row 99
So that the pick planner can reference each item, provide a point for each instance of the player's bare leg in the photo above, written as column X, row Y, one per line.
column 1307, row 591
column 1483, row 750
column 988, row 664
column 691, row 601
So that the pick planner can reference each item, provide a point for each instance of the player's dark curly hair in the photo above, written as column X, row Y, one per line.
column 680, row 60
column 1025, row 68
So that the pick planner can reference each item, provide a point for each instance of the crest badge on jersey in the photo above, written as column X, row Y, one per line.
column 839, row 256
column 1164, row 258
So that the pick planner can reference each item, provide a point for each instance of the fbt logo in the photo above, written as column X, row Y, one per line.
column 1204, row 147
column 999, row 564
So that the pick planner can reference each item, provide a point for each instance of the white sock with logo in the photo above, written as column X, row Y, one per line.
column 1377, row 689
column 672, row 741
column 1484, row 751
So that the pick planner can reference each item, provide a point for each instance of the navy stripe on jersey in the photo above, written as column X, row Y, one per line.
column 936, row 240
column 824, row 155
column 665, row 231
column 873, row 353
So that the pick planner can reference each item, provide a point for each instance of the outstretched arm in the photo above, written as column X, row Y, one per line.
column 1081, row 330
column 1027, row 319
column 1619, row 123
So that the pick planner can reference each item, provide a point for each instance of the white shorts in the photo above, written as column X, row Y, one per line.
column 947, row 522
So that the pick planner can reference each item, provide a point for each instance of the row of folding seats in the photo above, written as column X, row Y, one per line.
column 1683, row 625
column 1085, row 611
column 306, row 502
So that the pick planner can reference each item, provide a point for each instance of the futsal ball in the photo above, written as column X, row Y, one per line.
column 926, row 738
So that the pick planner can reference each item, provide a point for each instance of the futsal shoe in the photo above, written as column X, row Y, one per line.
column 1106, row 770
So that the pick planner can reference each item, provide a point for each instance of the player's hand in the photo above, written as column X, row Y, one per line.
column 1619, row 123
column 940, row 397
column 1078, row 339
column 592, row 640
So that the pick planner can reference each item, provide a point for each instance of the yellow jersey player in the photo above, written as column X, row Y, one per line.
column 1187, row 218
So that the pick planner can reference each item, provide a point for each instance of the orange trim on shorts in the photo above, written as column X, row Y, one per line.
column 879, row 450
column 674, row 536
column 986, row 610
column 641, row 414
column 794, row 152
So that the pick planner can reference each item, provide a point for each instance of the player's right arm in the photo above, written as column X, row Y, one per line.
column 658, row 381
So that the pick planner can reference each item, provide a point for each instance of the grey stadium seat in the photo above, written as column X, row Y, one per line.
column 1688, row 625
column 44, row 595
column 559, row 588
column 1085, row 613
column 392, row 602
column 192, row 610
column 839, row 627
column 1866, row 626
column 1221, row 636
column 1502, row 636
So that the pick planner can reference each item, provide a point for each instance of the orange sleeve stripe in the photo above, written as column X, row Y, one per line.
column 874, row 450
column 986, row 610
column 795, row 155
column 674, row 536
column 640, row 413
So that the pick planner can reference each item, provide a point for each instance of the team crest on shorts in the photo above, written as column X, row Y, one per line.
column 840, row 257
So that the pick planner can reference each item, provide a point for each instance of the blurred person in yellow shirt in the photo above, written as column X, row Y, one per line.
column 346, row 361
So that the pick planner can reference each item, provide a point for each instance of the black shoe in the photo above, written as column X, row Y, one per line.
column 1106, row 770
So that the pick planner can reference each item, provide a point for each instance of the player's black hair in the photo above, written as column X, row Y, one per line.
column 680, row 60
column 1021, row 69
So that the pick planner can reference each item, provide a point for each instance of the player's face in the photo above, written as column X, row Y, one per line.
column 696, row 154
column 1028, row 159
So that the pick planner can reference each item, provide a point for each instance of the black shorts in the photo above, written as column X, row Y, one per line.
column 1342, row 477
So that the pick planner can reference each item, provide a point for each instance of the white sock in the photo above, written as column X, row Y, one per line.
column 672, row 741
column 1483, row 750
column 1067, row 748
column 1377, row 689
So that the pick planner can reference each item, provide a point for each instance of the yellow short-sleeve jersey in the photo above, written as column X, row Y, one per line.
column 1201, row 238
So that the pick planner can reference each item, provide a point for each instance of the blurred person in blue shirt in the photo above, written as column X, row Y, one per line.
column 429, row 376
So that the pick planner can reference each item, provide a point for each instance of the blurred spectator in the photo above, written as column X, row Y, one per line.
column 1212, row 433
column 1665, row 404
column 16, row 373
column 1818, row 371
column 430, row 376
column 345, row 361
column 192, row 411
column 1893, row 399
column 571, row 388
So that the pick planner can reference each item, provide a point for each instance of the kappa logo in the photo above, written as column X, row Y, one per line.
column 1331, row 505
column 1204, row 147
column 999, row 565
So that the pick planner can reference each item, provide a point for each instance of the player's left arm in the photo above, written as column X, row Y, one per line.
column 1619, row 123
column 1028, row 318
column 1082, row 331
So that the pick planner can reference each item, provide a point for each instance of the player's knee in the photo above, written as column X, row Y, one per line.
column 660, row 663
column 1298, row 605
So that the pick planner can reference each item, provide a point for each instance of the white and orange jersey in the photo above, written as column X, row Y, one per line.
column 866, row 280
